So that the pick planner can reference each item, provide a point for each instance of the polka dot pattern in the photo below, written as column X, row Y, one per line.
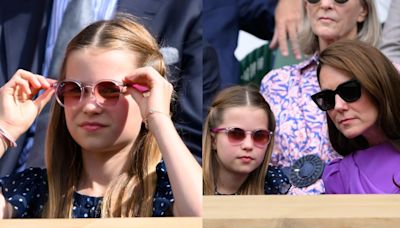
column 276, row 182
column 86, row 206
column 163, row 198
column 27, row 192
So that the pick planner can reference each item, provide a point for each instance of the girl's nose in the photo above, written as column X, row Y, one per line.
column 247, row 143
column 90, row 105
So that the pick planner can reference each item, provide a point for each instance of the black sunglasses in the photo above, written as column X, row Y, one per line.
column 349, row 91
column 337, row 1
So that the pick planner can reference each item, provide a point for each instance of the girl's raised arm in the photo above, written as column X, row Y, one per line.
column 184, row 172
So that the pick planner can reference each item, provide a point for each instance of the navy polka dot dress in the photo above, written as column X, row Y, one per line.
column 27, row 192
column 276, row 182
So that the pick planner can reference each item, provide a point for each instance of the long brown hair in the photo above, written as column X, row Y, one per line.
column 236, row 96
column 131, row 194
column 378, row 77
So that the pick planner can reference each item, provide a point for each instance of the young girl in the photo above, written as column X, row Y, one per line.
column 360, row 92
column 237, row 143
column 108, row 131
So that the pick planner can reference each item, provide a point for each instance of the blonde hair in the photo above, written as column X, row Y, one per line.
column 367, row 31
column 131, row 194
column 235, row 96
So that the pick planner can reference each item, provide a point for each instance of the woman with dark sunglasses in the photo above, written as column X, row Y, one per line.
column 302, row 145
column 237, row 143
column 360, row 92
column 110, row 140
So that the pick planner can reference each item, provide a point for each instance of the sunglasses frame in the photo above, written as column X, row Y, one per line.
column 339, row 92
column 336, row 1
column 226, row 130
column 82, row 86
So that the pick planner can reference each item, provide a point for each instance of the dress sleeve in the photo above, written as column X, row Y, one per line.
column 163, row 197
column 26, row 191
column 332, row 179
column 276, row 182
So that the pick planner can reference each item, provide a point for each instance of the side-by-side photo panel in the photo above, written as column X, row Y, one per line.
column 101, row 111
column 306, row 107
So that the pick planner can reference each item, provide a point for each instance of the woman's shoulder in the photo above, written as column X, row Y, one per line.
column 276, row 182
column 26, row 191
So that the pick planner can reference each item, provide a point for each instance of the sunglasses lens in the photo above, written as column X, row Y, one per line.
column 107, row 93
column 261, row 137
column 69, row 93
column 350, row 91
column 325, row 100
column 236, row 135
column 337, row 1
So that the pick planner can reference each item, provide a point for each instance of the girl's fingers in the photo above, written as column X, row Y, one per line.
column 50, row 81
column 43, row 99
column 32, row 78
column 45, row 83
column 157, row 93
column 35, row 80
column 145, row 76
column 22, row 86
column 28, row 80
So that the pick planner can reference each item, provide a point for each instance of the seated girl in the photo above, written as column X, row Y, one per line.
column 237, row 142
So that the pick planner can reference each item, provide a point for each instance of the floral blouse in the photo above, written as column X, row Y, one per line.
column 301, row 128
column 27, row 192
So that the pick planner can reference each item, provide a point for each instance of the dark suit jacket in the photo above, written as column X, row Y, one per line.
column 23, row 32
column 222, row 21
column 211, row 77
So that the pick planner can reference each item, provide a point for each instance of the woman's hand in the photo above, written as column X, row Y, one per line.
column 157, row 98
column 288, row 23
column 18, row 109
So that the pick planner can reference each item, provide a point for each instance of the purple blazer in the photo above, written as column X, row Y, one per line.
column 371, row 171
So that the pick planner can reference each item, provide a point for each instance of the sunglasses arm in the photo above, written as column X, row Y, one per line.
column 139, row 87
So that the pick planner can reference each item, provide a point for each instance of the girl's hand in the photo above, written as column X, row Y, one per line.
column 157, row 98
column 18, row 110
